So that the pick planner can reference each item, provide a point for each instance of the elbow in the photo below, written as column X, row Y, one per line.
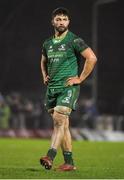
column 92, row 60
column 95, row 60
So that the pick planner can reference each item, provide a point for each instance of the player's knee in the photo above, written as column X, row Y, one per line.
column 63, row 110
column 59, row 119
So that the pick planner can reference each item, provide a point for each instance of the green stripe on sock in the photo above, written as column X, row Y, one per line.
column 68, row 157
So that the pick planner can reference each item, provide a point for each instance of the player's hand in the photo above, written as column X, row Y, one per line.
column 46, row 80
column 73, row 80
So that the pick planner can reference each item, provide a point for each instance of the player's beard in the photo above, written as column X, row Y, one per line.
column 61, row 29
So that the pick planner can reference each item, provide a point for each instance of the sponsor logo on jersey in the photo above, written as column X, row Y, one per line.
column 57, row 54
column 54, row 60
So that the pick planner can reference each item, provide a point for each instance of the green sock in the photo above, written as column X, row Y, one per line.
column 52, row 153
column 68, row 157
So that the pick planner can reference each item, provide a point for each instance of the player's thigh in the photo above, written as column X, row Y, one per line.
column 59, row 118
column 63, row 110
column 68, row 98
column 50, row 101
column 63, row 114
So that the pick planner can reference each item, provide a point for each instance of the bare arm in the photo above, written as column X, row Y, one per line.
column 44, row 69
column 90, row 61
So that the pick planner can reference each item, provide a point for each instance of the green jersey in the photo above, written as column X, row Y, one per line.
column 62, row 57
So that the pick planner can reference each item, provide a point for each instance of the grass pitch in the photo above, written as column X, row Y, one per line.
column 19, row 159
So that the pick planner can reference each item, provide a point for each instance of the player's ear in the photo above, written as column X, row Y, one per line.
column 52, row 22
column 68, row 21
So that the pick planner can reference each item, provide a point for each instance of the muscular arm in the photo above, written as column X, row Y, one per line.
column 90, row 61
column 44, row 69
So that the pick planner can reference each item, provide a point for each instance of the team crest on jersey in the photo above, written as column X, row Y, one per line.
column 62, row 47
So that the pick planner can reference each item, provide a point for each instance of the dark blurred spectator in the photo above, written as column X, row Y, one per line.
column 16, row 104
column 37, row 115
column 88, row 113
column 121, row 107
column 28, row 110
column 4, row 113
column 26, row 114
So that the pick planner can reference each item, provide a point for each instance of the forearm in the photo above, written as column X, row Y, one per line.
column 88, row 67
column 44, row 66
column 44, row 69
column 46, row 77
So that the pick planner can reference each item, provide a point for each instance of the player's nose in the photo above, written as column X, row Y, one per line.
column 61, row 23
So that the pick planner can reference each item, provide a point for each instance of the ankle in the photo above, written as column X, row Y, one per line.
column 52, row 153
column 68, row 157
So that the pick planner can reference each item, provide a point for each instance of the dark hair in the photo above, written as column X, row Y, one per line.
column 60, row 11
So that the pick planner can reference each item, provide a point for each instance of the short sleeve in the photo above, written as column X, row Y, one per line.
column 44, row 50
column 79, row 45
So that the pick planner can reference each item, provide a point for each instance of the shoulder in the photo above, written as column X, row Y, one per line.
column 72, row 35
column 75, row 38
column 47, row 41
column 78, row 43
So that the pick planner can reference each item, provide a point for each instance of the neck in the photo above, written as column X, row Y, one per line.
column 60, row 35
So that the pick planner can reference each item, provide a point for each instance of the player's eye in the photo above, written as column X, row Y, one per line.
column 65, row 19
column 58, row 19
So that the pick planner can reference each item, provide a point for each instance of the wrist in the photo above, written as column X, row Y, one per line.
column 81, row 79
column 44, row 75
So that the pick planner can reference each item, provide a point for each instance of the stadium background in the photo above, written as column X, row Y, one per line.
column 24, row 25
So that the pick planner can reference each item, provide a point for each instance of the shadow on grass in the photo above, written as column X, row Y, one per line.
column 33, row 169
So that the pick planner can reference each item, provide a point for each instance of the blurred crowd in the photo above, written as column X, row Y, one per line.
column 21, row 112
